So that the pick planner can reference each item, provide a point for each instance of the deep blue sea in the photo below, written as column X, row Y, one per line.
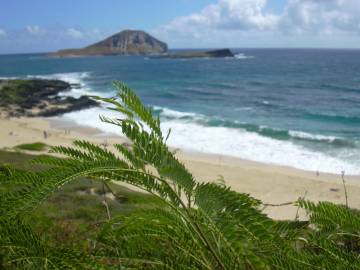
column 293, row 107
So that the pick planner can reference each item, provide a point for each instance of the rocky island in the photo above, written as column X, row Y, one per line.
column 135, row 42
column 127, row 42
column 39, row 97
column 221, row 53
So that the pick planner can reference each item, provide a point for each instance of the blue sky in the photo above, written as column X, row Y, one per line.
column 44, row 25
column 105, row 14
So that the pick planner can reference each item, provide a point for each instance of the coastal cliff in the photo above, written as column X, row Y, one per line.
column 127, row 42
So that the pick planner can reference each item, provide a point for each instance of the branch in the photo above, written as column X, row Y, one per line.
column 277, row 205
column 345, row 190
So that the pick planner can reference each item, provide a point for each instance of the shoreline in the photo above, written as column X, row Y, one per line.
column 273, row 184
column 215, row 159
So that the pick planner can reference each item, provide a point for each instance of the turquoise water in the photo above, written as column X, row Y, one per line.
column 299, row 108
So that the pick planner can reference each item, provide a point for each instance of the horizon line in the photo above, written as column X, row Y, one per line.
column 216, row 48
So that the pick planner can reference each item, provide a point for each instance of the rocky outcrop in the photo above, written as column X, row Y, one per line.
column 127, row 42
column 221, row 53
column 38, row 97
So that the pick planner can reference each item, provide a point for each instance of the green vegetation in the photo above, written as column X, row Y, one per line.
column 14, row 92
column 37, row 146
column 38, row 97
column 181, row 224
column 72, row 215
column 18, row 160
column 27, row 93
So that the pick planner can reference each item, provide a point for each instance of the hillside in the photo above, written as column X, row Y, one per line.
column 127, row 42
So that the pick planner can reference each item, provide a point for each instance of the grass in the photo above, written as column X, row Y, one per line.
column 14, row 92
column 19, row 160
column 73, row 215
column 37, row 146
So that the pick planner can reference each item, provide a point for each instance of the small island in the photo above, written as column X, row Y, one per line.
column 39, row 97
column 127, row 42
column 137, row 42
column 221, row 53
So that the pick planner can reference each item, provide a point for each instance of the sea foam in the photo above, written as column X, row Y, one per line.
column 242, row 56
column 252, row 146
column 190, row 131
column 76, row 79
column 309, row 136
column 189, row 135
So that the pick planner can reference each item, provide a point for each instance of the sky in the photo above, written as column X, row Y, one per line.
column 43, row 25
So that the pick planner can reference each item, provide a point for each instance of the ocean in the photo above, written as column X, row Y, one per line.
column 291, row 107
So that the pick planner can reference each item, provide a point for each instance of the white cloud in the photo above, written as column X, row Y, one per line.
column 227, row 15
column 96, row 34
column 74, row 33
column 2, row 33
column 321, row 16
column 35, row 30
column 229, row 19
column 34, row 38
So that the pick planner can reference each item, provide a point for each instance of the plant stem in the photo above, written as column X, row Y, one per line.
column 345, row 190
column 105, row 202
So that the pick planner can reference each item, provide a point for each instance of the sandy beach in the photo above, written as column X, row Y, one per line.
column 272, row 184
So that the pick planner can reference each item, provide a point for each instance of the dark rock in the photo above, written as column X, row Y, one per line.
column 42, row 106
column 27, row 93
column 75, row 85
column 222, row 53
column 127, row 42
column 74, row 104
column 36, row 97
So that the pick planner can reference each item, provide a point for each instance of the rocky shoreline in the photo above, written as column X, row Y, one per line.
column 39, row 97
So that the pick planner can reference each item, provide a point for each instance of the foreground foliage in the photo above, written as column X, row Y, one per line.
column 37, row 146
column 193, row 226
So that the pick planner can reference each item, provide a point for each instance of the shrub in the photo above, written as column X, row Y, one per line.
column 194, row 226
column 37, row 146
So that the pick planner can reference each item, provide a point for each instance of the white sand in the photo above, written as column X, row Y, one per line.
column 272, row 184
